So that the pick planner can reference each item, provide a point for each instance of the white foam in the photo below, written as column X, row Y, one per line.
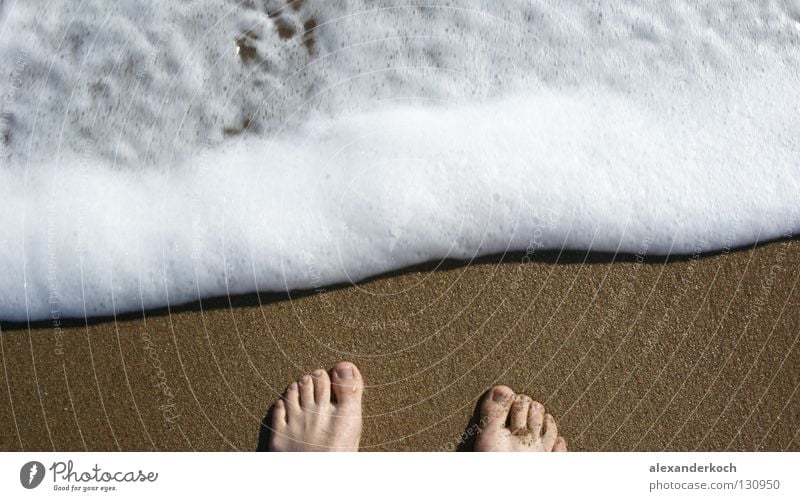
column 613, row 128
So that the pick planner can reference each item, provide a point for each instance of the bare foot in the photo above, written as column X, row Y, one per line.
column 516, row 423
column 317, row 414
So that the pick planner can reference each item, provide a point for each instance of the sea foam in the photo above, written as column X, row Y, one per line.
column 208, row 148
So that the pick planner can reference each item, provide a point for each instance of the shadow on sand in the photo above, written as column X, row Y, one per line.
column 565, row 257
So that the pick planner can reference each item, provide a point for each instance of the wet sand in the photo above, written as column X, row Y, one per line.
column 679, row 355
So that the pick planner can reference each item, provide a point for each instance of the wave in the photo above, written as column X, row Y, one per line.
column 668, row 150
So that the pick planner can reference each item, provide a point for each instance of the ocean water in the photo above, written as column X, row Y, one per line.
column 154, row 153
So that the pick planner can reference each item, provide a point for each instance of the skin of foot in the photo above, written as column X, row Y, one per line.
column 320, row 412
column 511, row 422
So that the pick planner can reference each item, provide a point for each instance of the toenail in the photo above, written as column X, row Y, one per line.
column 305, row 379
column 345, row 372
column 293, row 386
column 499, row 396
column 318, row 373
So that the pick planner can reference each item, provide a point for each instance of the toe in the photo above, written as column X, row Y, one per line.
column 495, row 406
column 279, row 416
column 519, row 413
column 322, row 386
column 347, row 384
column 550, row 432
column 306, row 385
column 536, row 418
column 292, row 401
column 561, row 445
column 492, row 431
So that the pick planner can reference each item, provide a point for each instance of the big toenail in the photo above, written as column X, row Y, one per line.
column 499, row 396
column 345, row 372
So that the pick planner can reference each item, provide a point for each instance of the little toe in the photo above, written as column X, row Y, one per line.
column 561, row 445
column 550, row 432
column 279, row 416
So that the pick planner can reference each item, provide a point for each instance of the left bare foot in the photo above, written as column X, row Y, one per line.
column 320, row 413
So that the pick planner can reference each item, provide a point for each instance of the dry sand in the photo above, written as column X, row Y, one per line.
column 688, row 354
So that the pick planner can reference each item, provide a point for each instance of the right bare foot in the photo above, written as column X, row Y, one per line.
column 516, row 423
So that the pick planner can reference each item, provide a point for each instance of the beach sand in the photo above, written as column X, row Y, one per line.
column 679, row 355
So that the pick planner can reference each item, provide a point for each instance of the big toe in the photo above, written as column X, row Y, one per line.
column 347, row 385
column 495, row 406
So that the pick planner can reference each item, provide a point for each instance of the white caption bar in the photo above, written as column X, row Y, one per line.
column 637, row 476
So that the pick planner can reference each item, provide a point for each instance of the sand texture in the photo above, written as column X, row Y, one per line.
column 679, row 355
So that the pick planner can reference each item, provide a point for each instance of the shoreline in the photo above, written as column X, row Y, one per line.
column 692, row 353
column 554, row 257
